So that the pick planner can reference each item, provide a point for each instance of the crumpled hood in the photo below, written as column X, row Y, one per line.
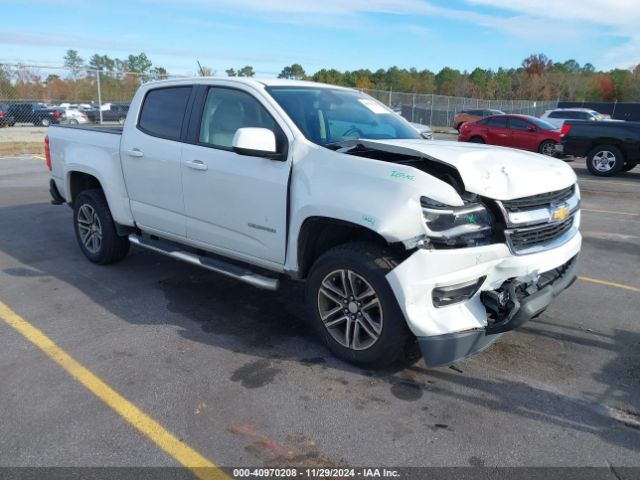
column 495, row 172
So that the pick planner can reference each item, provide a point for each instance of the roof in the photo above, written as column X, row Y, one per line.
column 573, row 109
column 255, row 82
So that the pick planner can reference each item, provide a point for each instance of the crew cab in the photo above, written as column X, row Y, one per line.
column 405, row 245
column 610, row 147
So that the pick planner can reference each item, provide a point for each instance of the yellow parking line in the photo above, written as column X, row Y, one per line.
column 610, row 284
column 611, row 212
column 39, row 157
column 201, row 467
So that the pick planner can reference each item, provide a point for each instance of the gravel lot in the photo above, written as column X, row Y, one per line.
column 235, row 373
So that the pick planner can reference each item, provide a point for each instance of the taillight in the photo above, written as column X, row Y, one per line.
column 56, row 114
column 47, row 152
column 1, row 114
column 565, row 130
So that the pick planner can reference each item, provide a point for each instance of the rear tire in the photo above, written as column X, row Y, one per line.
column 476, row 140
column 95, row 229
column 45, row 122
column 605, row 161
column 548, row 148
column 353, row 308
column 121, row 120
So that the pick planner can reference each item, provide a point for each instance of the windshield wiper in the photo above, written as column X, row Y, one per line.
column 341, row 144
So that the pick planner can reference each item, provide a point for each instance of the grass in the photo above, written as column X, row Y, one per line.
column 21, row 148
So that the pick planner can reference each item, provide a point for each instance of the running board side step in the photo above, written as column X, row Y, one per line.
column 215, row 265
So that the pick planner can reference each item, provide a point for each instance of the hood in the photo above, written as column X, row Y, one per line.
column 495, row 172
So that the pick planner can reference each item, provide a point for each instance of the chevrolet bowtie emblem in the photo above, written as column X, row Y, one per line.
column 559, row 213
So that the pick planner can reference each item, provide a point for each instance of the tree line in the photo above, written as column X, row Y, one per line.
column 537, row 78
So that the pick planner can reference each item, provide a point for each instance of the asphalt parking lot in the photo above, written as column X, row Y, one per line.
column 234, row 372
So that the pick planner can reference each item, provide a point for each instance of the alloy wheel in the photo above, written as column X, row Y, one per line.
column 90, row 228
column 350, row 309
column 549, row 149
column 604, row 161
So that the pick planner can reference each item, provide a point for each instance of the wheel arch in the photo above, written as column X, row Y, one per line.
column 319, row 234
column 79, row 181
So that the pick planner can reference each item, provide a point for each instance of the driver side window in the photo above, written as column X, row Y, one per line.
column 225, row 111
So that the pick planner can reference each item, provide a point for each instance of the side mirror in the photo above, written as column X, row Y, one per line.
column 255, row 142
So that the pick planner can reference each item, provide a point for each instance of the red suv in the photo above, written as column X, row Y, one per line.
column 516, row 131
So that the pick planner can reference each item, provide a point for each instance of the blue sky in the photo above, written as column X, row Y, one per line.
column 347, row 34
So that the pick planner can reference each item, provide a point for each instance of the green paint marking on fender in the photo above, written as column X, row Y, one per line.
column 369, row 219
column 471, row 218
column 397, row 174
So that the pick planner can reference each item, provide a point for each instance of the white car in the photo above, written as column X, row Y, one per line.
column 74, row 116
column 558, row 116
column 403, row 243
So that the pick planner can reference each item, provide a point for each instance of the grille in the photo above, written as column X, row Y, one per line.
column 539, row 201
column 532, row 237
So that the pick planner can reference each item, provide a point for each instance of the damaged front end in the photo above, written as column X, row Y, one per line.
column 508, row 307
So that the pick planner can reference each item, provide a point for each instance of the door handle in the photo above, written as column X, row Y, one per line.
column 196, row 165
column 134, row 152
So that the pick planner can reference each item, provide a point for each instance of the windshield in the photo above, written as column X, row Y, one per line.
column 542, row 124
column 328, row 115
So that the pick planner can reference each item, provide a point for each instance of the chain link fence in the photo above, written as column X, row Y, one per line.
column 440, row 110
column 41, row 95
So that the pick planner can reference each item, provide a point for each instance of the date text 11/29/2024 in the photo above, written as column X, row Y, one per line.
column 315, row 472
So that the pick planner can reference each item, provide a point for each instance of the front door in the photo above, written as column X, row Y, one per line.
column 522, row 135
column 235, row 204
column 151, row 155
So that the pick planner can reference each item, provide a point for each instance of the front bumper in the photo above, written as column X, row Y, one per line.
column 507, row 308
column 451, row 333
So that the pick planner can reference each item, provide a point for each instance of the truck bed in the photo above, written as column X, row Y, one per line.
column 93, row 150
column 95, row 127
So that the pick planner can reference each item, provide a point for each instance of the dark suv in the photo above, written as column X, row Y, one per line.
column 33, row 113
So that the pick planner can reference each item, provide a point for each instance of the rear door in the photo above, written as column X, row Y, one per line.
column 235, row 204
column 497, row 131
column 151, row 154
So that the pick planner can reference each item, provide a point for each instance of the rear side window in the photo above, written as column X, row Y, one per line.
column 163, row 112
column 558, row 115
column 496, row 122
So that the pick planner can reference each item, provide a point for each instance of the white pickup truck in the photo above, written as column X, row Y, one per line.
column 403, row 242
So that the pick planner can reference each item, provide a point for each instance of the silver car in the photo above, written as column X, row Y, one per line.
column 558, row 116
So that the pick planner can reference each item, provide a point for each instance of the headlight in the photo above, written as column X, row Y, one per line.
column 466, row 226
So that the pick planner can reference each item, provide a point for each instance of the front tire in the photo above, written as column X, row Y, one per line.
column 548, row 148
column 353, row 308
column 95, row 229
column 476, row 140
column 45, row 122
